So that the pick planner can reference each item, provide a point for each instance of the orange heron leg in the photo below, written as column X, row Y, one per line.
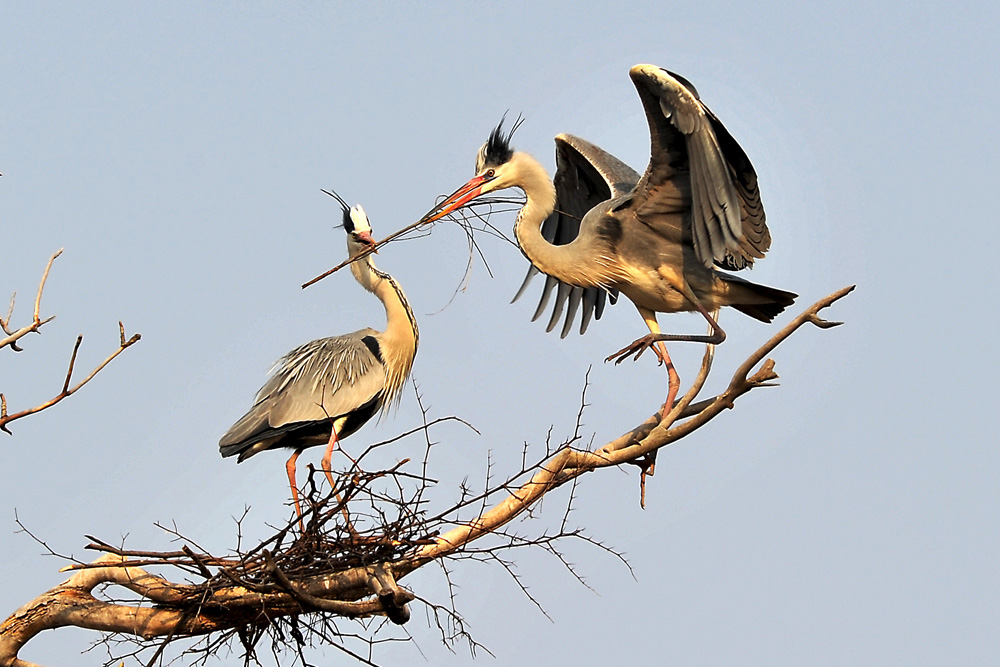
column 655, row 340
column 328, row 471
column 290, row 469
column 325, row 463
column 650, row 340
column 655, row 336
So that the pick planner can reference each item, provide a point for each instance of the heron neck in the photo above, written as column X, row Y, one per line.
column 580, row 262
column 400, row 322
column 401, row 336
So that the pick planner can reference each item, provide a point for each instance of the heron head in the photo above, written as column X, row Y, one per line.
column 359, row 230
column 497, row 168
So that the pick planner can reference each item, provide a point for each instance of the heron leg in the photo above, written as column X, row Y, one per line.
column 673, row 379
column 290, row 469
column 648, row 465
column 640, row 345
column 328, row 471
column 328, row 455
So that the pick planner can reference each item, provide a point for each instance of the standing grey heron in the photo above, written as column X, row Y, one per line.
column 325, row 390
column 600, row 228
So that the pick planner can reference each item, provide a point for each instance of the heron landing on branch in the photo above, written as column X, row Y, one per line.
column 600, row 229
column 327, row 389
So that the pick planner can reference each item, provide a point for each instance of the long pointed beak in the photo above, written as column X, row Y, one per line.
column 366, row 238
column 457, row 199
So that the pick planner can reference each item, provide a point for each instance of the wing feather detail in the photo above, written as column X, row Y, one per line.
column 585, row 176
column 692, row 153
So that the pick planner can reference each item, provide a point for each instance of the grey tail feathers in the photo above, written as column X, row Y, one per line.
column 237, row 448
column 772, row 301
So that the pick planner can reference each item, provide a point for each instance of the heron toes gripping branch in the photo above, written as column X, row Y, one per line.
column 637, row 347
column 325, row 390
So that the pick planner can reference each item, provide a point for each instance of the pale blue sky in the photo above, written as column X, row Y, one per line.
column 177, row 150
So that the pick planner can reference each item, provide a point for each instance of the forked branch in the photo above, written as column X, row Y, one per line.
column 67, row 390
column 13, row 335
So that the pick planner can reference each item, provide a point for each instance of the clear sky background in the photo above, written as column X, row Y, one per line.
column 177, row 152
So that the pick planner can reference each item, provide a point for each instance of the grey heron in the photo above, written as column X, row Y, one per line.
column 600, row 228
column 327, row 389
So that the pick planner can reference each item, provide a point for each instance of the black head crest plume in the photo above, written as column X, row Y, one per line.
column 497, row 150
column 348, row 224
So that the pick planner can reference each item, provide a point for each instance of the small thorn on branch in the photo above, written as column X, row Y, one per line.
column 764, row 375
column 823, row 324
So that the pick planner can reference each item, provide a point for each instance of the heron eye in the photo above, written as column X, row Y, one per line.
column 490, row 173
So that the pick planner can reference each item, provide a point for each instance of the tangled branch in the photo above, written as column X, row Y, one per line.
column 295, row 585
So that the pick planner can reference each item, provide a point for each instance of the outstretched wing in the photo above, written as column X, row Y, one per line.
column 585, row 176
column 323, row 379
column 696, row 165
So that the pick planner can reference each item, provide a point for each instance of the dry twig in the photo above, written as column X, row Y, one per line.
column 36, row 321
column 464, row 220
column 14, row 335
column 67, row 391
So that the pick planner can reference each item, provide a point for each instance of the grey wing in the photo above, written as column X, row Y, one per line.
column 756, row 237
column 322, row 379
column 585, row 176
column 696, row 164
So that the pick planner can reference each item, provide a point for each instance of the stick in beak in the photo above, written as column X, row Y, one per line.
column 455, row 201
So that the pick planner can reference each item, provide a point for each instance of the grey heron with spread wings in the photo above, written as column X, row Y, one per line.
column 325, row 390
column 600, row 228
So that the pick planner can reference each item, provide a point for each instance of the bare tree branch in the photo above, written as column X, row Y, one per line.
column 36, row 322
column 66, row 391
column 13, row 336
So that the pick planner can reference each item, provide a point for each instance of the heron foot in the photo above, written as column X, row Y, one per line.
column 637, row 347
